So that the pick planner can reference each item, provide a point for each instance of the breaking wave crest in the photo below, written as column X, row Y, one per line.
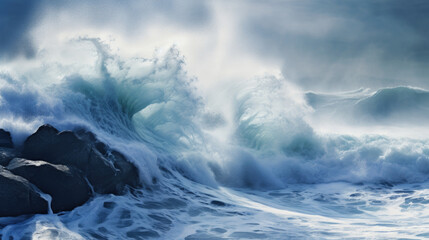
column 150, row 108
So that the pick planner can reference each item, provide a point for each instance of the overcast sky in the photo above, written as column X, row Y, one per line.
column 320, row 45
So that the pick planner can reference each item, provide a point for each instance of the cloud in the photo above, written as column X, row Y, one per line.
column 19, row 17
column 320, row 45
column 342, row 44
column 129, row 15
column 16, row 18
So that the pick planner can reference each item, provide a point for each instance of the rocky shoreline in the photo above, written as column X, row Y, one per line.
column 67, row 167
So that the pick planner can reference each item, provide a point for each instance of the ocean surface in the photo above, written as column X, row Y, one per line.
column 267, row 161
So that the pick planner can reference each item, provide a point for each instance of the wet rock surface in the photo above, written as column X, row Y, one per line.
column 66, row 185
column 5, row 139
column 6, row 155
column 18, row 196
column 69, row 166
column 107, row 170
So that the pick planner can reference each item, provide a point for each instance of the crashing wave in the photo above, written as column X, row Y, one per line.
column 150, row 108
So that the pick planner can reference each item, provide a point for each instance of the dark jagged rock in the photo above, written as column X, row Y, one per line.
column 6, row 155
column 65, row 148
column 107, row 163
column 107, row 170
column 66, row 185
column 102, row 175
column 90, row 138
column 18, row 196
column 5, row 139
column 62, row 164
column 129, row 174
column 117, row 169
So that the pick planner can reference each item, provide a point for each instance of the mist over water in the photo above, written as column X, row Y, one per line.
column 224, row 151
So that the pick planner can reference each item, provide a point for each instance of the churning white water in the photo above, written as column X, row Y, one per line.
column 269, row 162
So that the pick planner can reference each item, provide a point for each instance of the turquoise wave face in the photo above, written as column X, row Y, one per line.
column 151, row 108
